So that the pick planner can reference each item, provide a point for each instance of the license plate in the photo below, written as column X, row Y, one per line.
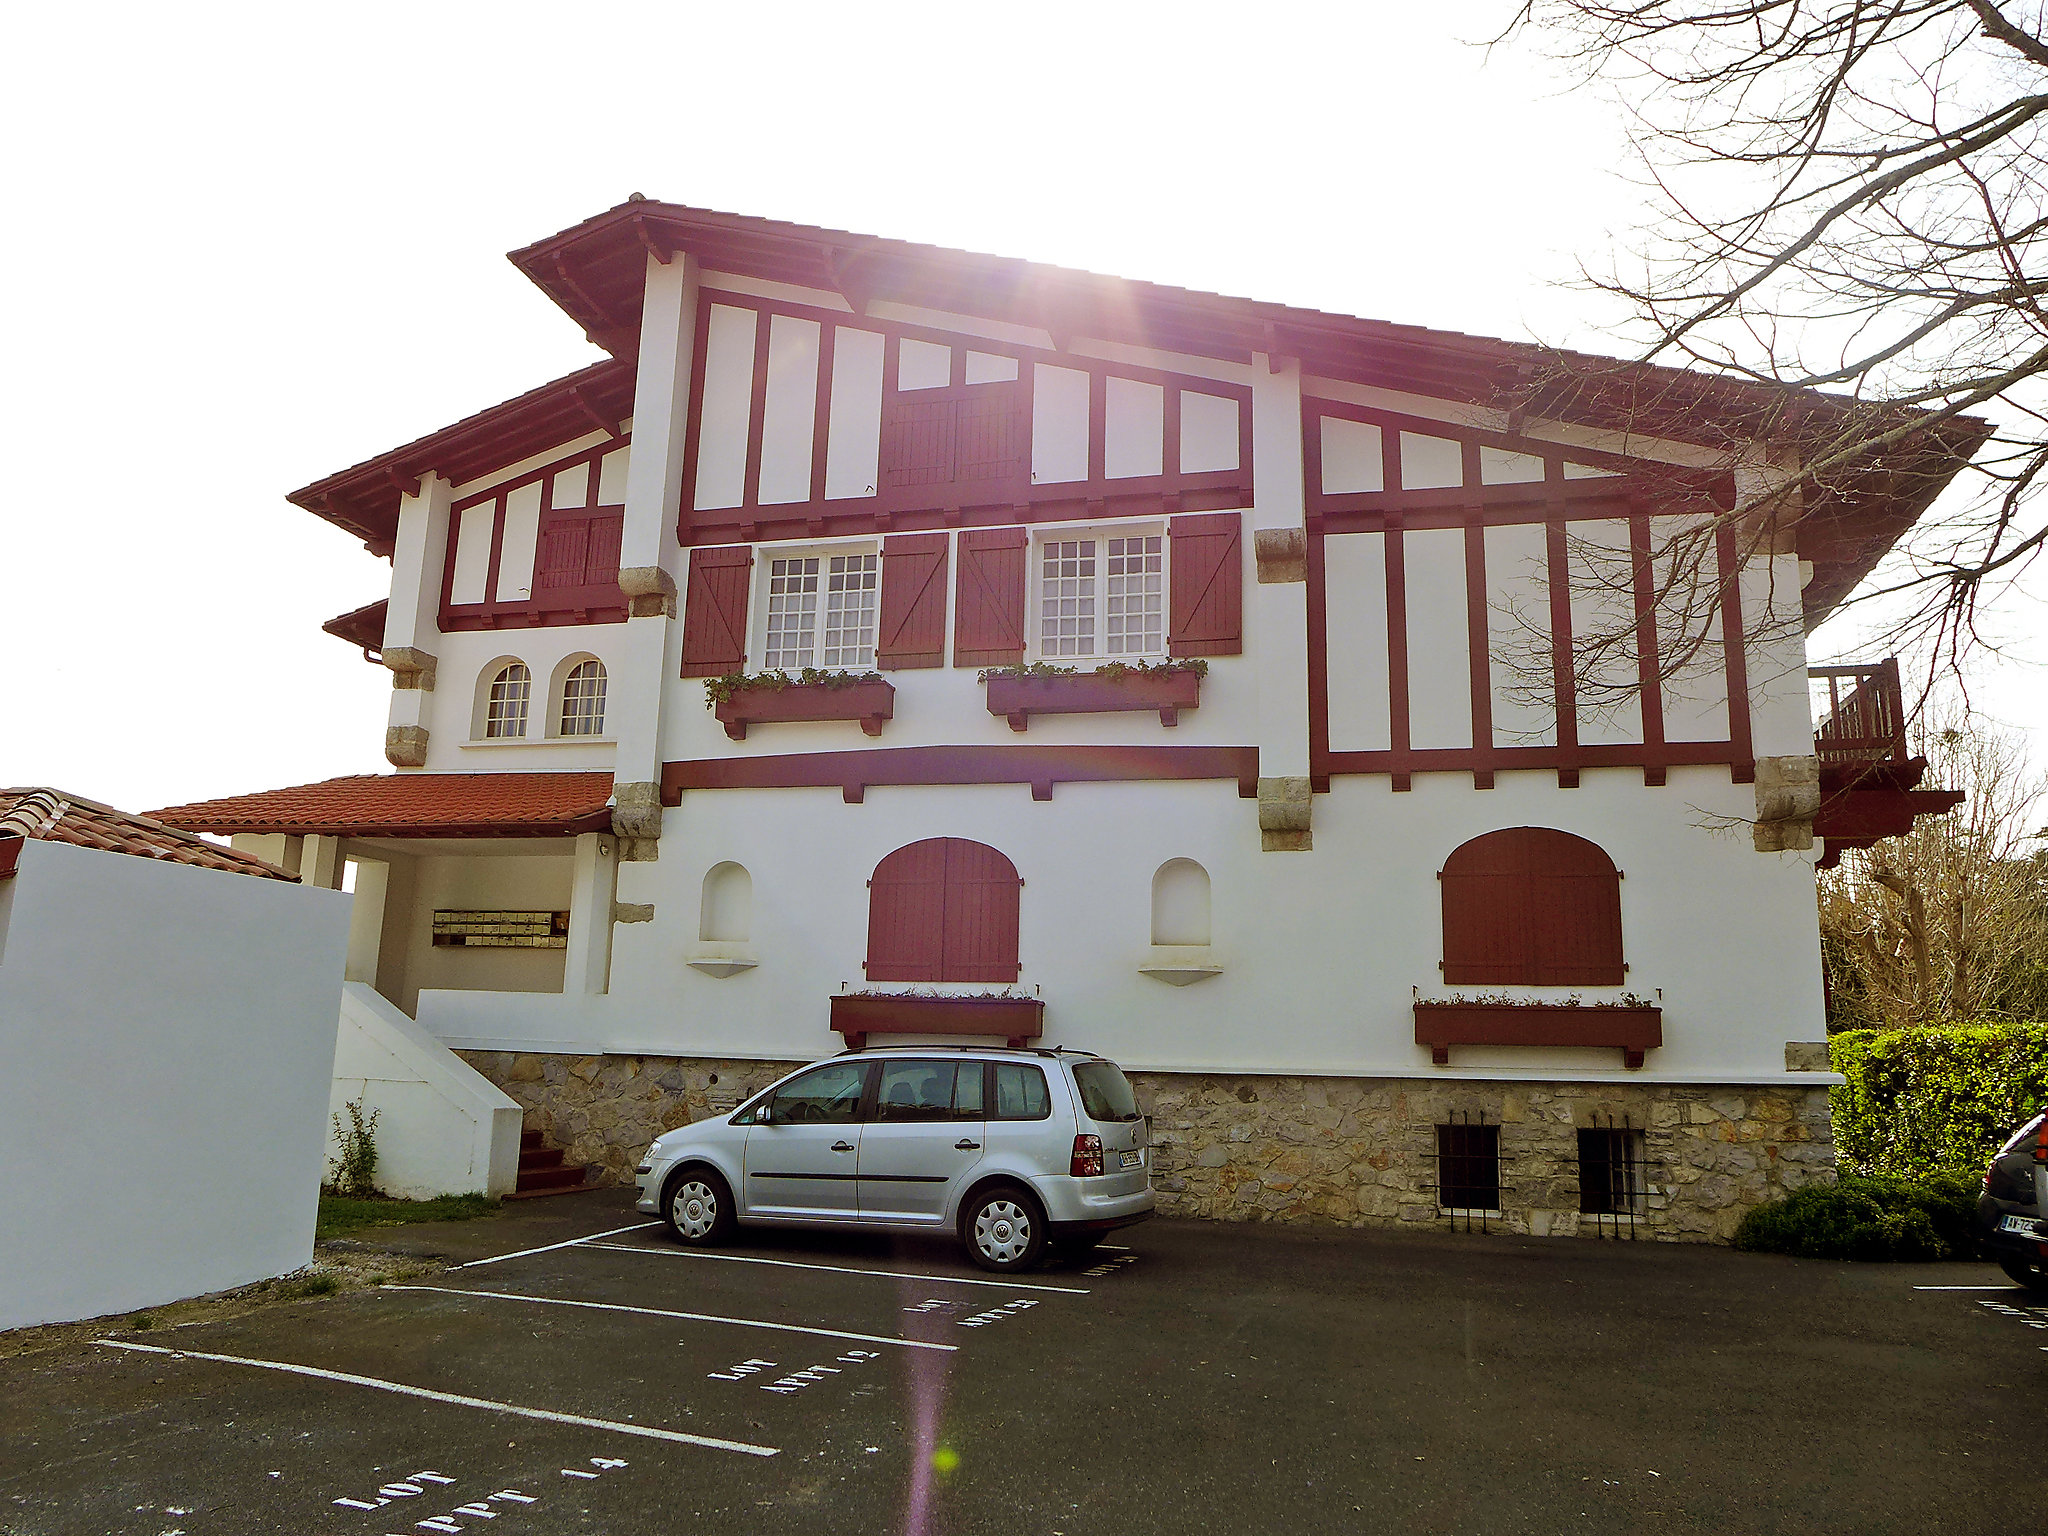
column 2026, row 1226
column 1137, row 1160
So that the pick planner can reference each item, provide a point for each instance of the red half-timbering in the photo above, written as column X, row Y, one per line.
column 944, row 909
column 1627, row 490
column 957, row 454
column 575, row 577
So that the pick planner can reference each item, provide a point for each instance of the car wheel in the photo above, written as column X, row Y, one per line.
column 699, row 1207
column 2031, row 1273
column 1004, row 1229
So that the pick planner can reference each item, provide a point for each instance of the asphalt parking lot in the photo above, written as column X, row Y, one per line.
column 573, row 1370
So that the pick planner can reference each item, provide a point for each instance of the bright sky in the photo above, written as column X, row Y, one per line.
column 256, row 244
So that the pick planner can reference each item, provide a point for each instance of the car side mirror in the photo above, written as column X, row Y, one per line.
column 764, row 1113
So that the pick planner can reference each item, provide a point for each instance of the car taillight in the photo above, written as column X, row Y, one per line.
column 1087, row 1161
column 2041, row 1143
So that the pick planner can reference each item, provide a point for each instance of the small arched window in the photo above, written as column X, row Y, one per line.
column 1531, row 906
column 582, row 700
column 1180, row 903
column 944, row 909
column 726, row 915
column 505, row 712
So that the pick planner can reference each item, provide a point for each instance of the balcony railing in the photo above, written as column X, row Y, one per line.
column 1862, row 717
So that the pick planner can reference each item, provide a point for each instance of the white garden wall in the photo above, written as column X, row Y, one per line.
column 168, row 1034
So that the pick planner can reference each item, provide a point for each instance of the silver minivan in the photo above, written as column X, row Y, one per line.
column 1012, row 1150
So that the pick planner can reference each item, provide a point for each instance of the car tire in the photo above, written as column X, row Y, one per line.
column 1004, row 1229
column 2031, row 1273
column 698, row 1207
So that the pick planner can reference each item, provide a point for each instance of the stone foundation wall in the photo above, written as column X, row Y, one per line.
column 1350, row 1151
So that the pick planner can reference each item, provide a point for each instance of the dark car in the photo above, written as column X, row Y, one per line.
column 2012, row 1213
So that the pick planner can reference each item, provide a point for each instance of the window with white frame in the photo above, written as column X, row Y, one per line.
column 1102, row 596
column 505, row 714
column 821, row 611
column 583, row 700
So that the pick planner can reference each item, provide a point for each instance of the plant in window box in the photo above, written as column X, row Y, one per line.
column 1015, row 1016
column 740, row 699
column 1627, row 1023
column 1115, row 686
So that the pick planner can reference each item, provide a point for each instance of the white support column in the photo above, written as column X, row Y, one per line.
column 587, row 965
column 412, row 620
column 650, row 558
column 1276, row 628
column 320, row 861
column 366, row 921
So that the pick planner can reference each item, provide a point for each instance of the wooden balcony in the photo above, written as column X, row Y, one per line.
column 1865, row 718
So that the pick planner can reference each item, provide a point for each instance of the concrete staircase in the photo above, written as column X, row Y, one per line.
column 542, row 1171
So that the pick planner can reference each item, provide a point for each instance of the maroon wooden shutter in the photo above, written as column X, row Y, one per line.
column 1531, row 906
column 917, row 441
column 601, row 557
column 988, row 618
column 564, row 548
column 981, row 914
column 715, row 610
column 993, row 436
column 1207, row 565
column 944, row 909
column 912, row 630
column 906, row 914
column 1577, row 905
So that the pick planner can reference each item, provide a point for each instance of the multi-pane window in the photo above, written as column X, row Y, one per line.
column 1116, row 610
column 851, row 592
column 583, row 700
column 505, row 715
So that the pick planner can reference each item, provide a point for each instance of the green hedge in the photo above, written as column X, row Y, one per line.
column 1925, row 1101
column 1870, row 1219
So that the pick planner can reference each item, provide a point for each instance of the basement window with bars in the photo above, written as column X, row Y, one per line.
column 1102, row 596
column 821, row 611
column 1610, row 1170
column 1468, row 1166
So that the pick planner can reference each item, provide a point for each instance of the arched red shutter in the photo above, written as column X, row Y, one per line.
column 715, row 611
column 944, row 909
column 988, row 618
column 1207, row 563
column 981, row 914
column 1531, row 906
column 913, row 620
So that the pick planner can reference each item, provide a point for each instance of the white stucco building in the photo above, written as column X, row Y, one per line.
column 167, row 1025
column 1204, row 682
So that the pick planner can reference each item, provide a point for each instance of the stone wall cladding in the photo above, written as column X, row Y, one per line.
column 603, row 1111
column 1342, row 1150
column 1362, row 1151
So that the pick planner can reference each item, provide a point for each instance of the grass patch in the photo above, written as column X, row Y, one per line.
column 1874, row 1219
column 317, row 1285
column 340, row 1215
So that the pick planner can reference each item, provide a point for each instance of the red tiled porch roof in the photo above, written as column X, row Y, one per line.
column 414, row 805
column 50, row 815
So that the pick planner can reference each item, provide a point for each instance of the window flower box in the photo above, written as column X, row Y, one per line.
column 858, row 1015
column 1631, row 1028
column 869, row 701
column 1020, row 695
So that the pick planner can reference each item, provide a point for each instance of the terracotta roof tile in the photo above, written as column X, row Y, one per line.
column 50, row 815
column 414, row 805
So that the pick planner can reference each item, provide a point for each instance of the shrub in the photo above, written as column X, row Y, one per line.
column 1918, row 1101
column 354, row 1166
column 1876, row 1220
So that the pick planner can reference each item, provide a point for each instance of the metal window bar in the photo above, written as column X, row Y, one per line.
column 1468, row 1181
column 1613, row 1177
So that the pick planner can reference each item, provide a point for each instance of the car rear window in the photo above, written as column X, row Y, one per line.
column 1105, row 1091
column 2023, row 1135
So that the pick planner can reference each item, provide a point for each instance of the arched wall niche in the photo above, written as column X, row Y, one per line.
column 1180, row 904
column 726, row 913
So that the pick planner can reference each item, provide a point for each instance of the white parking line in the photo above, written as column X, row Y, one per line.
column 1965, row 1287
column 693, row 1317
column 500, row 1258
column 646, row 1431
column 837, row 1269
